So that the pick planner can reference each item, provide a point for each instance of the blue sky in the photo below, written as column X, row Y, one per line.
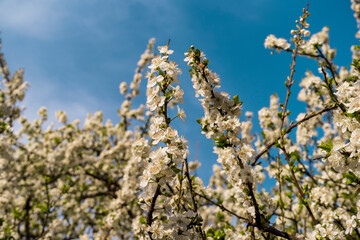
column 76, row 52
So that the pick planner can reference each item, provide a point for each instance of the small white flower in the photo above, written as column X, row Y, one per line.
column 61, row 116
column 350, row 225
column 181, row 114
column 123, row 87
column 165, row 50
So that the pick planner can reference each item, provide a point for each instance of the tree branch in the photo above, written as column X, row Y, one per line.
column 291, row 127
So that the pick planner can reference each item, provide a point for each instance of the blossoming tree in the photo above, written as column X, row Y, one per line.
column 120, row 181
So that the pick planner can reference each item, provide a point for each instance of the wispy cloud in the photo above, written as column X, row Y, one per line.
column 34, row 18
column 54, row 98
column 42, row 19
column 244, row 10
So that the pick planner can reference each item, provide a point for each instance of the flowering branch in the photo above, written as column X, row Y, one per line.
column 289, row 129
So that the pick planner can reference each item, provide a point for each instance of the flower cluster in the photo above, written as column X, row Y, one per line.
column 355, row 6
column 166, row 180
column 273, row 42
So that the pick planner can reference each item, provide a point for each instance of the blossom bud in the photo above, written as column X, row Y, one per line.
column 123, row 87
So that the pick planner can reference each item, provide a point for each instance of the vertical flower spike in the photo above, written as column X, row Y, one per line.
column 132, row 90
column 221, row 123
column 355, row 6
column 14, row 92
column 163, row 177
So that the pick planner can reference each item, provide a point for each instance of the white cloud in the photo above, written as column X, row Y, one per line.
column 244, row 10
column 54, row 97
column 42, row 19
column 34, row 18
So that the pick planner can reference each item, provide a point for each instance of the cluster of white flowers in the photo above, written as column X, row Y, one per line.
column 355, row 6
column 313, row 93
column 221, row 123
column 270, row 122
column 125, row 111
column 13, row 92
column 273, row 42
column 65, row 182
column 221, row 119
column 318, row 40
column 164, row 177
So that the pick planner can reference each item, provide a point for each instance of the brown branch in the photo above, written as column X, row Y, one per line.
column 296, row 182
column 47, row 209
column 264, row 228
column 199, row 228
column 288, row 130
column 307, row 172
column 98, row 194
column 220, row 206
column 190, row 185
column 27, row 218
column 3, row 66
column 149, row 218
column 330, row 65
column 331, row 92
column 299, row 53
column 109, row 183
column 252, row 229
column 258, row 216
column 290, row 81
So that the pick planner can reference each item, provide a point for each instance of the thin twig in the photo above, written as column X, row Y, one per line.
column 296, row 182
column 259, row 225
column 198, row 228
column 291, row 127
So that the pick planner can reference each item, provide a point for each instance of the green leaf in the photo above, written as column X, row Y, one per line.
column 302, row 201
column 326, row 146
column 246, row 191
column 197, row 53
column 16, row 213
column 142, row 220
column 306, row 189
column 221, row 141
column 179, row 177
column 345, row 195
column 65, row 188
column 288, row 178
column 220, row 216
column 326, row 86
column 263, row 134
column 351, row 115
column 295, row 155
column 236, row 99
column 351, row 177
column 57, row 140
column 228, row 226
column 3, row 126
column 210, row 232
column 206, row 62
column 357, row 47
